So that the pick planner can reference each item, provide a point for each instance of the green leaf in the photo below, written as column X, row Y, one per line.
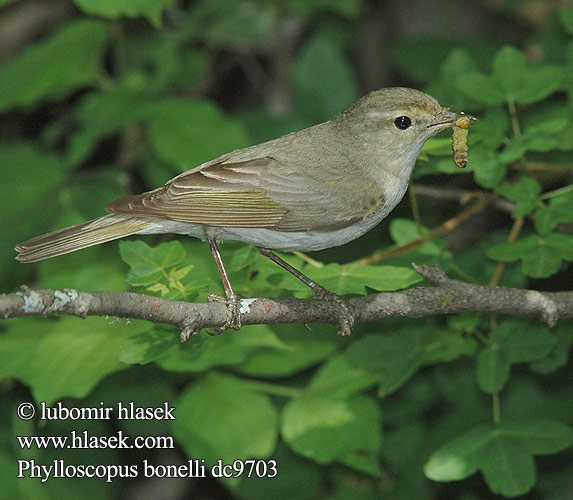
column 227, row 23
column 544, row 220
column 300, row 351
column 540, row 83
column 208, row 413
column 354, row 278
column 540, row 437
column 561, row 243
column 507, row 469
column 100, row 114
column 242, row 258
column 459, row 458
column 503, row 453
column 384, row 352
column 559, row 209
column 492, row 130
column 566, row 17
column 509, row 69
column 436, row 146
column 184, row 133
column 528, row 343
column 488, row 168
column 512, row 251
column 189, row 132
column 332, row 430
column 511, row 80
column 464, row 322
column 394, row 358
column 225, row 350
column 420, row 57
column 148, row 265
column 67, row 357
column 512, row 341
column 541, row 256
column 68, row 60
column 317, row 97
column 103, row 185
column 519, row 82
column 559, row 355
column 492, row 370
column 151, row 9
column 23, row 166
column 548, row 128
column 404, row 231
column 339, row 378
column 514, row 150
column 544, row 136
column 149, row 345
column 459, row 62
column 175, row 66
column 524, row 193
column 439, row 345
column 481, row 88
column 542, row 261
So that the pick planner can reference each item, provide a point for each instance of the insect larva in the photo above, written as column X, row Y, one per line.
column 460, row 141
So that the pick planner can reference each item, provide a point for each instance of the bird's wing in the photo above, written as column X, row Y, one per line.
column 259, row 192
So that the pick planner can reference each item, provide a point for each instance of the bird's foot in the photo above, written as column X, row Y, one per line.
column 343, row 309
column 233, row 303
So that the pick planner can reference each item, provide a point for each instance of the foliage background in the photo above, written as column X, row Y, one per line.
column 103, row 98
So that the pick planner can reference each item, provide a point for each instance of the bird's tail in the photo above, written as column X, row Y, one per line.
column 70, row 239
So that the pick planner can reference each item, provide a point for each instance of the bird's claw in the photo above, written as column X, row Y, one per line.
column 343, row 309
column 233, row 303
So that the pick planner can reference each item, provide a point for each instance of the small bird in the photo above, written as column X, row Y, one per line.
column 313, row 189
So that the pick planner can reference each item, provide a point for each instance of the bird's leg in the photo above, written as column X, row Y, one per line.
column 344, row 308
column 232, row 299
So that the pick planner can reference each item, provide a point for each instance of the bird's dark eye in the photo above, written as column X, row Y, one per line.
column 402, row 122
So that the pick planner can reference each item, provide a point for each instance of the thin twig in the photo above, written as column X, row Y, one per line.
column 462, row 196
column 444, row 228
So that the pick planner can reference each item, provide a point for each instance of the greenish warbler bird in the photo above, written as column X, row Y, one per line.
column 313, row 189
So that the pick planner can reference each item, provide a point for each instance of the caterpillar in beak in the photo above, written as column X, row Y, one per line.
column 460, row 140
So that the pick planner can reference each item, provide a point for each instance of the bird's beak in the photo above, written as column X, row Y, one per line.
column 446, row 119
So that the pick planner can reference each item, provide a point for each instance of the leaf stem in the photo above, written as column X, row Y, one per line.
column 308, row 260
column 514, row 233
column 556, row 192
column 495, row 408
column 481, row 337
column 513, row 115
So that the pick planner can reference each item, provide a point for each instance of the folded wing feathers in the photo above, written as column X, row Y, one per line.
column 220, row 195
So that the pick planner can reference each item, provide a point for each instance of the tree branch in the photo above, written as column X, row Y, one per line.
column 448, row 296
